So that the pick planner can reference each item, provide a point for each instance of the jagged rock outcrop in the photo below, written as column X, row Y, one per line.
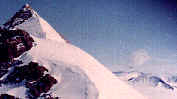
column 14, row 43
column 30, row 72
column 6, row 96
column 42, row 85
column 34, row 78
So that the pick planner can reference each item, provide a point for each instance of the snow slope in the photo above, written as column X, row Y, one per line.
column 80, row 76
column 107, row 84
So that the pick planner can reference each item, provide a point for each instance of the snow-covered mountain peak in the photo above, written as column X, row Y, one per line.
column 52, row 69
column 26, row 6
column 27, row 19
column 20, row 17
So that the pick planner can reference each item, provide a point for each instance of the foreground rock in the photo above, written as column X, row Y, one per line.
column 13, row 43
column 30, row 72
column 6, row 96
column 42, row 85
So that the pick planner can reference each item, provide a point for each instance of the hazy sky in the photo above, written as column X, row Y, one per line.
column 140, row 33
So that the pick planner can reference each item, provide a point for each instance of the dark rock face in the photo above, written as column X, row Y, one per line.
column 3, row 72
column 29, row 72
column 34, row 79
column 6, row 96
column 13, row 43
column 42, row 85
column 4, row 68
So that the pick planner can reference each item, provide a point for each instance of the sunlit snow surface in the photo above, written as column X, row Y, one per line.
column 80, row 75
column 38, row 27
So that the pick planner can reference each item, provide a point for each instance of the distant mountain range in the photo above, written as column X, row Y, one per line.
column 162, row 87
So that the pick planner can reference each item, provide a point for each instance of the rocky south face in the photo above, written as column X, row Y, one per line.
column 33, row 76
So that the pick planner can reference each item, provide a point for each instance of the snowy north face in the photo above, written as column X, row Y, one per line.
column 78, row 74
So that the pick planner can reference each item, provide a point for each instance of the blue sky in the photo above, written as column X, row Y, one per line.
column 111, row 30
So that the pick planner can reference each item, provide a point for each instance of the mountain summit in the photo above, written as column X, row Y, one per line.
column 21, row 16
column 49, row 68
column 27, row 19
